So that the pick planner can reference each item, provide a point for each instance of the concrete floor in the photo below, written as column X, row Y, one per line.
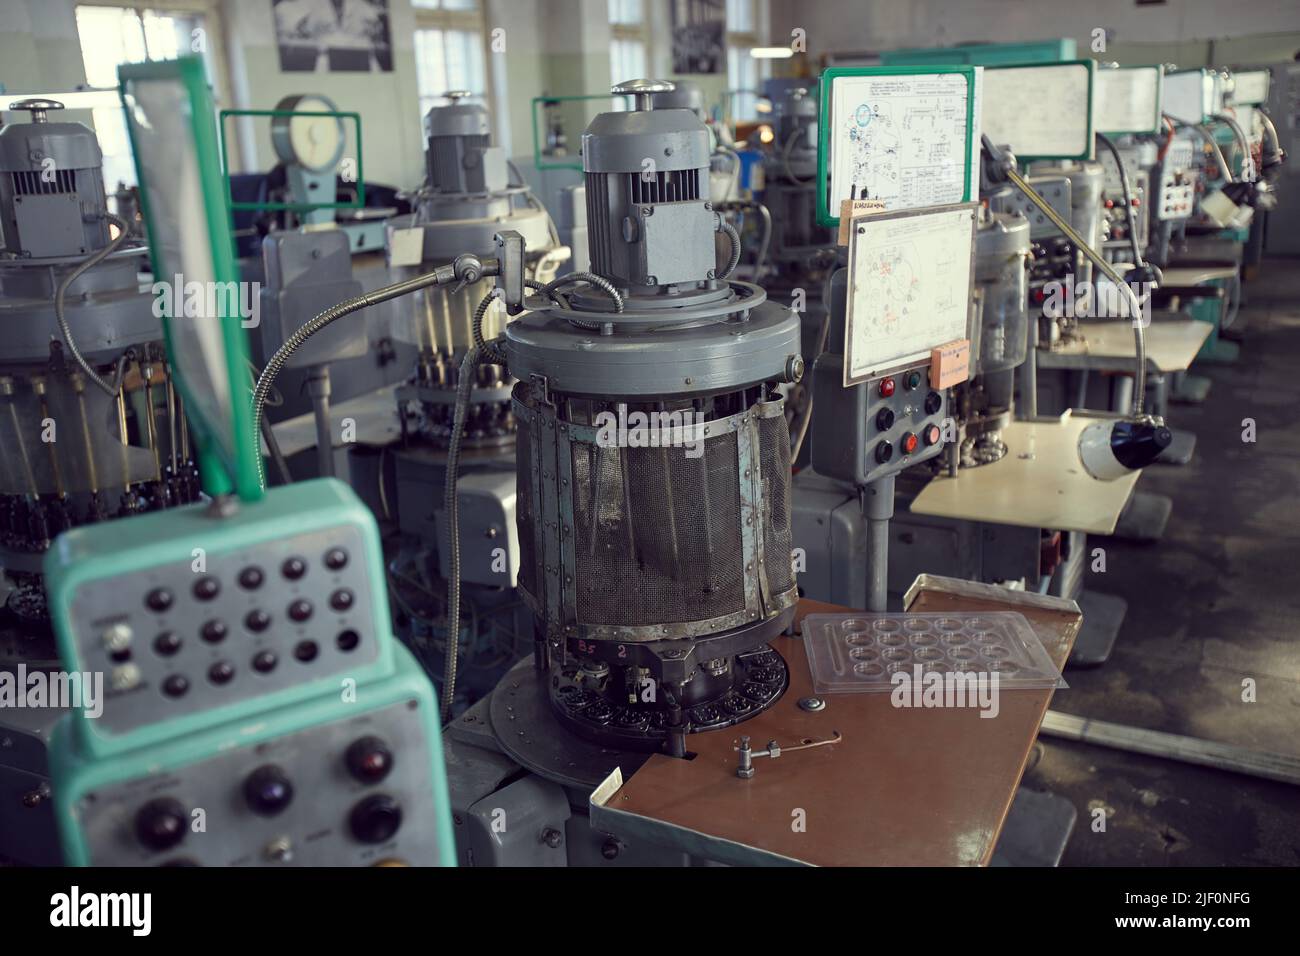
column 1216, row 602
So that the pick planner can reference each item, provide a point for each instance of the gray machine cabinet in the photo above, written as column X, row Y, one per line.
column 307, row 273
column 868, row 438
column 830, row 537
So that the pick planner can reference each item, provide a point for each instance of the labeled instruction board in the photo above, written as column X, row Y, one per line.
column 1189, row 96
column 906, row 137
column 1250, row 87
column 1041, row 110
column 1127, row 100
column 911, row 275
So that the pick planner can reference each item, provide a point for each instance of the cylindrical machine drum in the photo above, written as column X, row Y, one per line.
column 678, row 541
column 1001, row 253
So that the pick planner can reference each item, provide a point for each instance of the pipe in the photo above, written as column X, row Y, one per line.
column 734, row 236
column 464, row 383
column 878, row 507
column 62, row 290
column 318, row 387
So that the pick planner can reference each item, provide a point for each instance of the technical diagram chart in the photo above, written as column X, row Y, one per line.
column 910, row 275
column 901, row 137
column 1127, row 100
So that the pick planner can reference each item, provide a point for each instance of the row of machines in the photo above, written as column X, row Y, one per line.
column 1083, row 216
column 630, row 594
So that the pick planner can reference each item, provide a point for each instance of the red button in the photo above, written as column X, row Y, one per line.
column 886, row 387
column 932, row 435
column 909, row 443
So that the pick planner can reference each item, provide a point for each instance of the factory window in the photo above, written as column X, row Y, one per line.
column 113, row 35
column 745, row 74
column 448, row 51
column 448, row 60
column 628, row 48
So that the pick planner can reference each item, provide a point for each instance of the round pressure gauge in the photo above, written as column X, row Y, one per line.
column 315, row 143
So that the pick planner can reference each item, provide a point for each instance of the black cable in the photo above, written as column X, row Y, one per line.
column 1128, row 197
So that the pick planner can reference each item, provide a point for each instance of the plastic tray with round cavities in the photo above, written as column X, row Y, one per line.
column 861, row 652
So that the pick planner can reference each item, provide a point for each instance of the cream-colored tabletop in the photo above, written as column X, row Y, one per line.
column 1039, row 483
column 1171, row 346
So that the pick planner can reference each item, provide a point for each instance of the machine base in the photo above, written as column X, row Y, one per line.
column 1103, row 615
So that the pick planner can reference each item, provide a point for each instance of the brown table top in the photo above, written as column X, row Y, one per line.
column 904, row 787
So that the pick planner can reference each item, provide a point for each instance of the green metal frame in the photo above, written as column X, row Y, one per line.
column 986, row 54
column 827, row 83
column 1157, row 123
column 111, row 550
column 576, row 162
column 1091, row 150
column 222, row 470
column 294, row 206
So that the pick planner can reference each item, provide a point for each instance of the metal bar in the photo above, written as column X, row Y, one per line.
column 1284, row 768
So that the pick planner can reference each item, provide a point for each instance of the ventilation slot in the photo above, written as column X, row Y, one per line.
column 598, row 224
column 30, row 182
column 681, row 185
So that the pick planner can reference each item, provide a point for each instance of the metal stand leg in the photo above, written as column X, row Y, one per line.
column 318, row 387
column 878, row 508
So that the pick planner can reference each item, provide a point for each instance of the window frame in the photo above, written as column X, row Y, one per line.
column 743, row 42
column 214, row 24
column 475, row 20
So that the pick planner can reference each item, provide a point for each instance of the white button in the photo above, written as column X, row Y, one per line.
column 125, row 676
column 117, row 637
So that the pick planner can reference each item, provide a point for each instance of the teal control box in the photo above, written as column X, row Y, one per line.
column 256, row 708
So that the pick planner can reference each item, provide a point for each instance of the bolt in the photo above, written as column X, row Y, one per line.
column 552, row 837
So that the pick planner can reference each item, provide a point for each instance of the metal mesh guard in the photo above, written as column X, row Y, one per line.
column 657, row 535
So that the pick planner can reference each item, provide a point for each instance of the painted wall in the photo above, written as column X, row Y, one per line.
column 875, row 25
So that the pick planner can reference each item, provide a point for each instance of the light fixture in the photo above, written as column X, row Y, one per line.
column 771, row 52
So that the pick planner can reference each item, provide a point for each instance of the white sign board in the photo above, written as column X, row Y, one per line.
column 1040, row 111
column 911, row 277
column 1250, row 88
column 903, row 139
column 1188, row 96
column 1127, row 100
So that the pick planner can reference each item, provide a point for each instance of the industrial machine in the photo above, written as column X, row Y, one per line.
column 93, row 422
column 258, row 710
column 802, row 250
column 652, row 604
column 92, row 425
column 1037, row 229
column 468, row 198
